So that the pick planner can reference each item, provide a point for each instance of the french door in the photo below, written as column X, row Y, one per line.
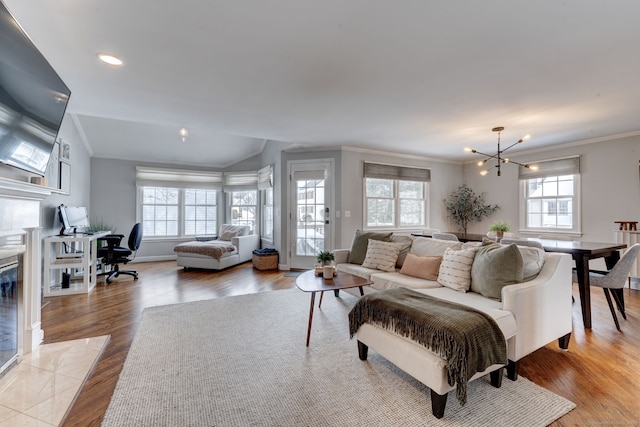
column 311, row 205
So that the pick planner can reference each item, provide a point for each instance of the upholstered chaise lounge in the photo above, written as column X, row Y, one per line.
column 233, row 246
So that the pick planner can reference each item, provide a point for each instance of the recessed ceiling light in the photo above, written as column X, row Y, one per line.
column 110, row 59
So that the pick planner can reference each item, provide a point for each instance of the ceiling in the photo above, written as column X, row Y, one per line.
column 413, row 76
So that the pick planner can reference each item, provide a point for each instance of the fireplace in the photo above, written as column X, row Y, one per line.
column 20, row 270
column 10, row 282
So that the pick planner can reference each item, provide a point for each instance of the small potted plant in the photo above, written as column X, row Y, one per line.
column 500, row 227
column 325, row 257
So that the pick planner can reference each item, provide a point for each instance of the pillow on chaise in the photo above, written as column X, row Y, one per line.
column 455, row 269
column 381, row 255
column 423, row 267
column 495, row 267
column 360, row 242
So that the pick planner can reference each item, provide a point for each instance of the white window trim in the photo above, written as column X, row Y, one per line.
column 181, row 205
column 576, row 231
column 396, row 199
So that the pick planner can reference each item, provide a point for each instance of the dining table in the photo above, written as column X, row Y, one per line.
column 583, row 252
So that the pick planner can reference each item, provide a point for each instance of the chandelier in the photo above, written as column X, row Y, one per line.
column 498, row 156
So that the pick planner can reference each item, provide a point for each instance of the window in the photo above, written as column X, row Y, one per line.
column 160, row 211
column 174, row 212
column 244, row 208
column 178, row 203
column 265, row 184
column 200, row 212
column 550, row 201
column 267, row 215
column 395, row 196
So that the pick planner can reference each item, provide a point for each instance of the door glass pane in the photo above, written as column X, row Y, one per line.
column 309, row 217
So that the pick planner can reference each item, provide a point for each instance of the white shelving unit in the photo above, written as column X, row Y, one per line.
column 75, row 255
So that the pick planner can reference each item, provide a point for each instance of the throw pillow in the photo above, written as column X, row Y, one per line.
column 494, row 267
column 426, row 246
column 381, row 255
column 455, row 269
column 404, row 241
column 361, row 241
column 424, row 267
column 228, row 235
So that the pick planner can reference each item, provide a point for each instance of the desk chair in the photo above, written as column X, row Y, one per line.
column 113, row 254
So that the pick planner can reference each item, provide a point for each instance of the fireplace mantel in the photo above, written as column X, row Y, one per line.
column 20, row 228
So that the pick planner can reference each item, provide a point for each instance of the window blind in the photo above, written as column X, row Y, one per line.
column 178, row 178
column 557, row 167
column 403, row 173
column 265, row 177
column 240, row 181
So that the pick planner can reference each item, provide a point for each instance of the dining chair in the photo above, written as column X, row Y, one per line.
column 613, row 281
column 445, row 236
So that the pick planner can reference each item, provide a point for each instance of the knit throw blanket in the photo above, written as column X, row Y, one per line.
column 469, row 340
column 213, row 248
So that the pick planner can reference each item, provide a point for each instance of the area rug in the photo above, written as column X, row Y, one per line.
column 242, row 361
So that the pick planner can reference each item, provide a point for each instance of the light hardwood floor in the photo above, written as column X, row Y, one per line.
column 599, row 372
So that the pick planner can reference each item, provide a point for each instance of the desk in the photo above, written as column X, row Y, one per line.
column 582, row 252
column 76, row 253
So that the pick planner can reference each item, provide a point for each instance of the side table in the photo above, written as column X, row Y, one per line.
column 309, row 282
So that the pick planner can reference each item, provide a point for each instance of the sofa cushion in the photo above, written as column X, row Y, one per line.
column 361, row 241
column 404, row 241
column 381, row 255
column 382, row 281
column 455, row 269
column 494, row 267
column 426, row 246
column 357, row 270
column 424, row 267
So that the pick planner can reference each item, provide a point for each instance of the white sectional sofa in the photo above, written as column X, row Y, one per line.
column 530, row 314
column 234, row 245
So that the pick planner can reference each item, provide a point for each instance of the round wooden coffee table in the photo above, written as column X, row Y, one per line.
column 309, row 282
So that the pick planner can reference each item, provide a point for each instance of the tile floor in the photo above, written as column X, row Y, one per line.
column 40, row 389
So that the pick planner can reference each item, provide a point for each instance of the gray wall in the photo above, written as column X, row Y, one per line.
column 445, row 177
column 610, row 188
column 609, row 178
column 79, row 194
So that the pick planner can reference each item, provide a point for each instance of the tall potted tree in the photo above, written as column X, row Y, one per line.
column 465, row 206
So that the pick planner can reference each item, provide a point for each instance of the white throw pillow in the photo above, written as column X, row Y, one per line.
column 381, row 255
column 455, row 269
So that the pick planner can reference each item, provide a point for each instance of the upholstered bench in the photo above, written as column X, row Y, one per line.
column 428, row 363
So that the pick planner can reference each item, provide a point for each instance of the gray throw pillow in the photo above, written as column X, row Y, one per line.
column 494, row 267
column 405, row 241
column 360, row 243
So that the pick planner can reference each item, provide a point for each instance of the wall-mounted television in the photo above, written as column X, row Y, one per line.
column 33, row 100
